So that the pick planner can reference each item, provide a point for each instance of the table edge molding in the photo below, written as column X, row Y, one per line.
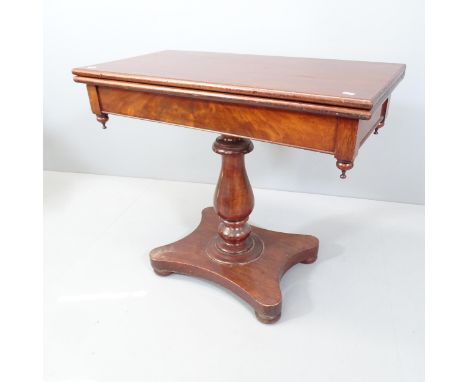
column 303, row 107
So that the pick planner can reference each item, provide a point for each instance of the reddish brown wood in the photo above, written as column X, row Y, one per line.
column 229, row 97
column 383, row 113
column 310, row 131
column 346, row 144
column 227, row 250
column 233, row 202
column 102, row 119
column 93, row 96
column 256, row 282
column 354, row 84
column 96, row 105
column 329, row 106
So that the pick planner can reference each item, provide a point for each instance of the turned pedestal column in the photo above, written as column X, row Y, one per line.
column 225, row 249
column 233, row 202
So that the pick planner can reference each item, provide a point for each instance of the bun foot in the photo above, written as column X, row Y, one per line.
column 161, row 272
column 267, row 319
column 312, row 257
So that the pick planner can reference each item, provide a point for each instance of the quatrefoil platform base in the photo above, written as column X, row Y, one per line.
column 257, row 281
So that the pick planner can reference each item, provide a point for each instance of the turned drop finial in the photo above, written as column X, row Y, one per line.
column 102, row 118
column 376, row 130
column 379, row 125
column 344, row 166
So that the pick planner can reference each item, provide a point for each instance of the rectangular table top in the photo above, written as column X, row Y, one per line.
column 350, row 84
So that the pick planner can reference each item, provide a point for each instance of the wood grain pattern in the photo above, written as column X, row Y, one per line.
column 323, row 133
column 328, row 106
column 356, row 84
column 228, row 97
column 96, row 105
column 233, row 202
column 227, row 250
column 255, row 282
column 310, row 131
column 314, row 104
column 94, row 99
column 346, row 144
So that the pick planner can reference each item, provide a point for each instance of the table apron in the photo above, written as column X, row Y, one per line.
column 303, row 130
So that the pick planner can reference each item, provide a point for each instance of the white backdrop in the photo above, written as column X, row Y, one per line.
column 389, row 166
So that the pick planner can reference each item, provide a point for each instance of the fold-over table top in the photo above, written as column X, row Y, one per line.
column 351, row 84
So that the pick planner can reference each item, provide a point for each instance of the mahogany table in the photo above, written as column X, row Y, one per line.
column 330, row 106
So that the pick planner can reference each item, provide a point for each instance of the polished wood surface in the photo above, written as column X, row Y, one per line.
column 233, row 202
column 226, row 249
column 256, row 282
column 315, row 108
column 328, row 106
column 355, row 84
column 311, row 131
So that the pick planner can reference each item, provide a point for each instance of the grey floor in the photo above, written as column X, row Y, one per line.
column 357, row 314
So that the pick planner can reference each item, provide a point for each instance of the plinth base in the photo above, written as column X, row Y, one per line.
column 256, row 282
